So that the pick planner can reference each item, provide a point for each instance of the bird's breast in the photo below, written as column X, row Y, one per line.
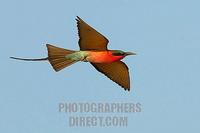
column 102, row 57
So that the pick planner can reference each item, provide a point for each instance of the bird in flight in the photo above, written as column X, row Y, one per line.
column 93, row 49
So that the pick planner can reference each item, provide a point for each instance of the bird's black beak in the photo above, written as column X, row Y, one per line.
column 130, row 53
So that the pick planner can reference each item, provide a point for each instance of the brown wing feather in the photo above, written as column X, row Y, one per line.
column 89, row 38
column 116, row 71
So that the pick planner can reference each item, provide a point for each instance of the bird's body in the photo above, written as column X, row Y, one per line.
column 93, row 49
column 94, row 56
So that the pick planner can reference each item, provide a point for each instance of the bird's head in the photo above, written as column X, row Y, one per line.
column 121, row 53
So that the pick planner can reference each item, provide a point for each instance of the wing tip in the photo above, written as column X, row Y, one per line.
column 78, row 19
column 127, row 89
column 124, row 87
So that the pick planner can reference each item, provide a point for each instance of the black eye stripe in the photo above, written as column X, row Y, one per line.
column 118, row 54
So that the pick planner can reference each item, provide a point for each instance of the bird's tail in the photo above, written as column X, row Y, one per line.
column 56, row 57
column 40, row 59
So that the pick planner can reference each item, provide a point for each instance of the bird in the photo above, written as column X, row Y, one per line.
column 93, row 49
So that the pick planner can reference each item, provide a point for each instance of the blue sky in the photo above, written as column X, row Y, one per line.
column 164, row 74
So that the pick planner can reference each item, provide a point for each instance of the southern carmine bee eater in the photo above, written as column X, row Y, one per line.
column 93, row 49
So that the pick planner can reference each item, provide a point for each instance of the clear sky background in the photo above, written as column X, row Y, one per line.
column 165, row 74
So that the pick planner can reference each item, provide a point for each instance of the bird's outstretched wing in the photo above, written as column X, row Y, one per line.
column 116, row 71
column 89, row 38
